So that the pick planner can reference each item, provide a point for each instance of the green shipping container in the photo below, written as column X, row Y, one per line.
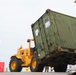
column 54, row 31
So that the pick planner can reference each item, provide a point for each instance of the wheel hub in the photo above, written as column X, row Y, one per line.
column 13, row 65
column 34, row 63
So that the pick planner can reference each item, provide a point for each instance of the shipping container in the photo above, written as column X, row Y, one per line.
column 55, row 38
column 54, row 35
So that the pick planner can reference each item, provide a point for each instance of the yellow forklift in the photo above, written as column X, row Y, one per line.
column 23, row 58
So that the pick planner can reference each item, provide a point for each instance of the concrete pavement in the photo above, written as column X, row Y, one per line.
column 32, row 73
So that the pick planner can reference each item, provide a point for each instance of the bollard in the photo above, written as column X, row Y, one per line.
column 6, row 69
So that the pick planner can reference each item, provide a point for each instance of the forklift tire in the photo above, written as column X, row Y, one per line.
column 60, row 68
column 15, row 65
column 34, row 66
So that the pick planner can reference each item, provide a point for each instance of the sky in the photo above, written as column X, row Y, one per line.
column 16, row 18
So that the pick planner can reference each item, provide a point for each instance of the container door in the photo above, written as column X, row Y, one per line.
column 49, row 32
column 38, row 40
column 43, row 36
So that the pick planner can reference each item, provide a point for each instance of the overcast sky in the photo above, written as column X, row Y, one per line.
column 16, row 17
